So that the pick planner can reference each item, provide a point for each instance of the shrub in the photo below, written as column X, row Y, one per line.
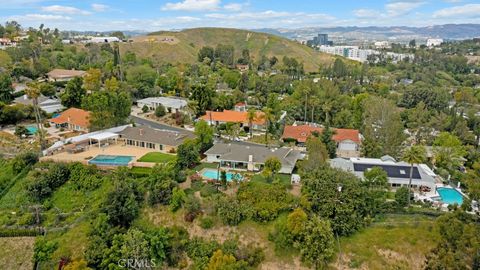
column 206, row 223
column 44, row 249
column 145, row 108
column 178, row 198
column 401, row 196
column 230, row 211
column 24, row 160
column 160, row 111
column 208, row 190
column 84, row 177
column 43, row 183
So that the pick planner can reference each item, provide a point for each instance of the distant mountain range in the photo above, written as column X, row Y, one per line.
column 356, row 34
column 399, row 33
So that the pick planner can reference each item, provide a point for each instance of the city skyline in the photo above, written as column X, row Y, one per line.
column 149, row 15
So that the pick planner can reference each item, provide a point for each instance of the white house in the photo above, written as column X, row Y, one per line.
column 169, row 103
column 104, row 40
column 433, row 42
column 398, row 172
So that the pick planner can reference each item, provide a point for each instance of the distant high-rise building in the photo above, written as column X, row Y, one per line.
column 319, row 40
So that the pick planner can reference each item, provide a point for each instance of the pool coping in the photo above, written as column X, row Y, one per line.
column 200, row 173
column 132, row 160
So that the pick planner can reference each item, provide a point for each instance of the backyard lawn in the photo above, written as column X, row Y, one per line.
column 157, row 157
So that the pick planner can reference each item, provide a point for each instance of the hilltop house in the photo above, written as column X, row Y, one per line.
column 72, row 119
column 170, row 104
column 64, row 75
column 228, row 116
column 47, row 104
column 160, row 140
column 398, row 172
column 251, row 157
column 348, row 140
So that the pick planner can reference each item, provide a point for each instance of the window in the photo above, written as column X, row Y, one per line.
column 161, row 146
column 402, row 172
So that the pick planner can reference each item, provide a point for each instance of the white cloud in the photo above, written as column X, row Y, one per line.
column 41, row 17
column 99, row 7
column 399, row 8
column 193, row 5
column 65, row 10
column 470, row 11
column 366, row 13
column 234, row 7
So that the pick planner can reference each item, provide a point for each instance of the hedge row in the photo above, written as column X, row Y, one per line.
column 21, row 232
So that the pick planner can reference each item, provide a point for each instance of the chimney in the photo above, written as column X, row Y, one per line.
column 141, row 132
column 250, row 158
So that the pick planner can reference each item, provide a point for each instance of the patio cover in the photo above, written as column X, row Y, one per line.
column 103, row 136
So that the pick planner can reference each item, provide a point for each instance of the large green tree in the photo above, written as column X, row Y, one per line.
column 318, row 245
column 204, row 134
column 338, row 196
column 108, row 108
column 74, row 93
column 383, row 126
column 6, row 89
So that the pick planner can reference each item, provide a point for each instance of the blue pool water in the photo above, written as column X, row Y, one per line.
column 107, row 160
column 32, row 129
column 213, row 174
column 450, row 196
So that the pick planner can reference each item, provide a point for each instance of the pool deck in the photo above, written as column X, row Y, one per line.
column 93, row 151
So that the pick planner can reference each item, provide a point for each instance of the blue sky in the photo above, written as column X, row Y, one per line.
column 149, row 15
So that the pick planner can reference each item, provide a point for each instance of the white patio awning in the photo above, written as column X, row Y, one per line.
column 103, row 136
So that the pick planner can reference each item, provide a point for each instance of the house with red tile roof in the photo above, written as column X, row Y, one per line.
column 348, row 140
column 228, row 116
column 72, row 119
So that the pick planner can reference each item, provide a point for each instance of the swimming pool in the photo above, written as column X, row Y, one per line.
column 213, row 174
column 32, row 130
column 107, row 160
column 450, row 196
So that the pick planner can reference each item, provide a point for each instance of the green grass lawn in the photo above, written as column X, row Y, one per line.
column 399, row 242
column 157, row 157
column 201, row 166
column 284, row 178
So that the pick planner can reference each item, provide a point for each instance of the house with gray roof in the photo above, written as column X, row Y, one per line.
column 398, row 172
column 47, row 104
column 251, row 157
column 171, row 104
column 155, row 139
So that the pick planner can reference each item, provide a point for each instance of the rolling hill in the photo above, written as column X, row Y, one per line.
column 182, row 47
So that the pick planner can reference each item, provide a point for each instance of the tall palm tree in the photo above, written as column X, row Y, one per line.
column 251, row 116
column 414, row 155
column 33, row 92
column 267, row 116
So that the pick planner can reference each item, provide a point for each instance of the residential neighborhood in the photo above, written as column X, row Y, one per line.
column 262, row 147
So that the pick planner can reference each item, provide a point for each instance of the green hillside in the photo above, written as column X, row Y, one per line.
column 182, row 47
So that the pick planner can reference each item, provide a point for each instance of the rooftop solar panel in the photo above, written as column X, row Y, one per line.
column 392, row 170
